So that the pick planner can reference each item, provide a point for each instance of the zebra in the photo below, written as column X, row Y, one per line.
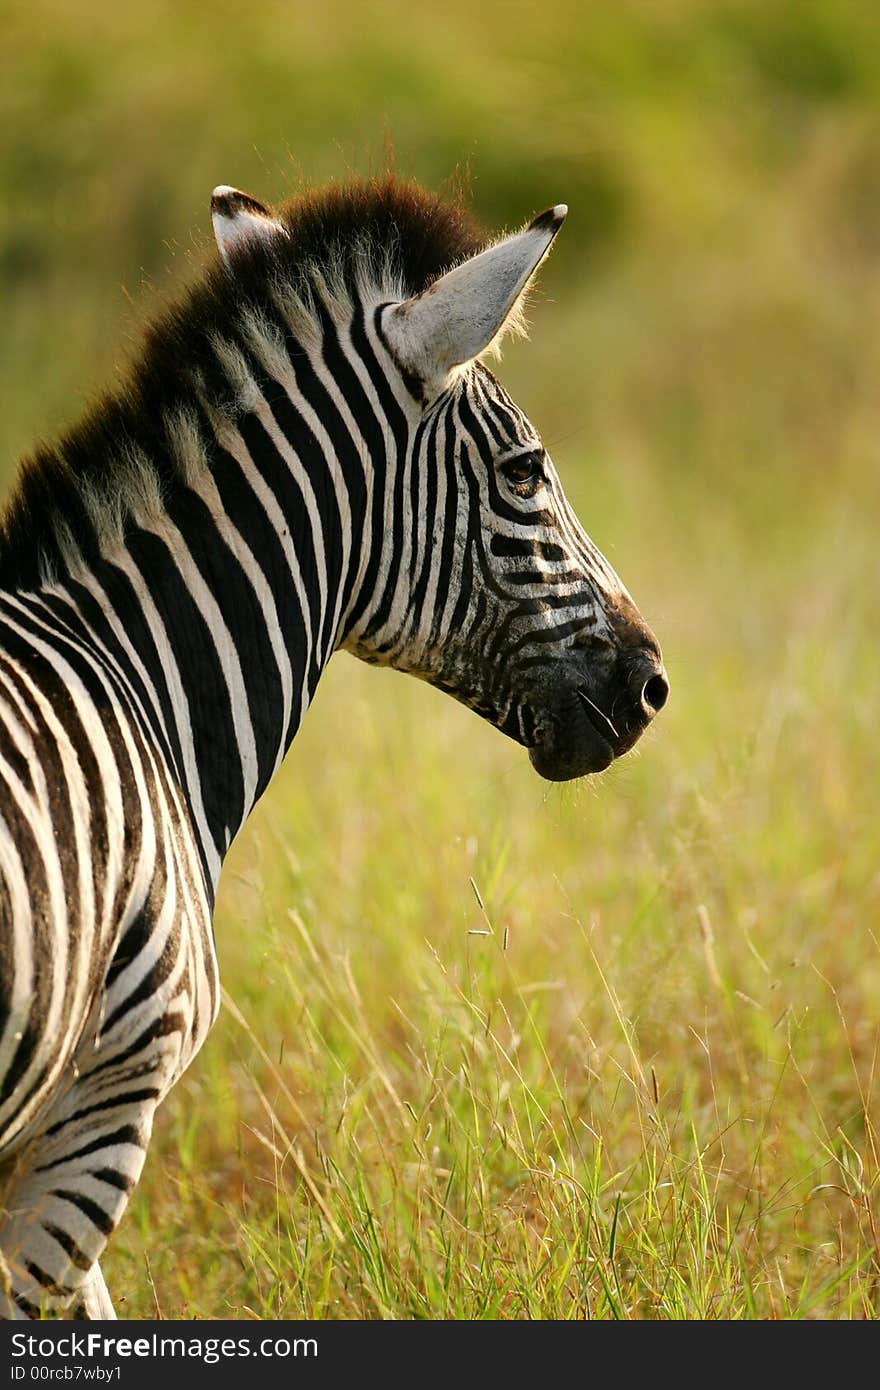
column 309, row 455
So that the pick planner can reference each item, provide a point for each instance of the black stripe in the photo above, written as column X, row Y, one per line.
column 524, row 548
column 39, row 1275
column 425, row 452
column 114, row 1102
column 158, row 726
column 298, row 434
column 45, row 980
column 32, row 1310
column 395, row 421
column 281, row 482
column 348, row 452
column 159, row 1028
column 542, row 637
column 227, row 581
column 195, row 654
column 243, row 506
column 450, row 520
column 70, row 1247
column 113, row 1178
column 158, row 723
column 94, row 1213
column 126, row 1135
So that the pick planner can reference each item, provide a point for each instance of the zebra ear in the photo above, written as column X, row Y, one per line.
column 461, row 314
column 240, row 221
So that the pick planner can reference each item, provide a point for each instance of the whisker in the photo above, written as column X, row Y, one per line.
column 593, row 706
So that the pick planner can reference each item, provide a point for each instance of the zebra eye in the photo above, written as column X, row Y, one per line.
column 523, row 471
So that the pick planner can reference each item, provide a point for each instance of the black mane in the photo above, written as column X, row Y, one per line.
column 340, row 226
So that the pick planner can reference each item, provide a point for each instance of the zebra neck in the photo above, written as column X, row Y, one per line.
column 220, row 613
column 223, row 540
column 240, row 593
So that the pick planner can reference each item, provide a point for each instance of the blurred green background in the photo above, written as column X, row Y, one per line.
column 704, row 367
column 716, row 283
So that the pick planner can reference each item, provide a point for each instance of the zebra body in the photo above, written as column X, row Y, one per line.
column 309, row 457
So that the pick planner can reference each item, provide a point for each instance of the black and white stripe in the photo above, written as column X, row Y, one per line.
column 308, row 457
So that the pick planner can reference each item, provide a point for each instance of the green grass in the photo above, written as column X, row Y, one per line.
column 495, row 1048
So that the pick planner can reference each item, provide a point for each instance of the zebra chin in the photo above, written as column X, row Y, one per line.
column 561, row 755
column 562, row 739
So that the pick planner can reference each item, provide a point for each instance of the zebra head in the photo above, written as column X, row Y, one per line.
column 501, row 599
column 476, row 575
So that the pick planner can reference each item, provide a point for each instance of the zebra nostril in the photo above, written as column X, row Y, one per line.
column 655, row 693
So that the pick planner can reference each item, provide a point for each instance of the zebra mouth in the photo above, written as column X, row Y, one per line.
column 582, row 742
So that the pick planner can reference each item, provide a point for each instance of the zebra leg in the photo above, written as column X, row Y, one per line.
column 73, row 1183
column 62, row 1213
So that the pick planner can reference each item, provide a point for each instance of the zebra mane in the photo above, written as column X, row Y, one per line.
column 140, row 442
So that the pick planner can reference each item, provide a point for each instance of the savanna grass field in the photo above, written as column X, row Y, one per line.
column 494, row 1048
